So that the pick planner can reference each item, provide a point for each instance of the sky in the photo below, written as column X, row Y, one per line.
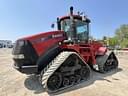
column 21, row 18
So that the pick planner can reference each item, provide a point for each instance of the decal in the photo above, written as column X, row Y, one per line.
column 42, row 39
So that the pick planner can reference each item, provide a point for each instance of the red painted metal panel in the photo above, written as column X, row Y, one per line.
column 43, row 41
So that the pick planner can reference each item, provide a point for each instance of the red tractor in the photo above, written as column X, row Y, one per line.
column 63, row 58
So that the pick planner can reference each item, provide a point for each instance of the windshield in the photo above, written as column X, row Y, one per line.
column 81, row 28
column 65, row 25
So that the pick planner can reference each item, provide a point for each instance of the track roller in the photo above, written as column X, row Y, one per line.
column 66, row 82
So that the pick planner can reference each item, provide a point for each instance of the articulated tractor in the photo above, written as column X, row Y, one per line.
column 65, row 57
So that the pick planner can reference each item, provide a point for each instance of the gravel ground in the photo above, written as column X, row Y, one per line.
column 13, row 83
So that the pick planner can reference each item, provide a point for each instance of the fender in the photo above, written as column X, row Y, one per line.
column 48, row 56
column 101, row 51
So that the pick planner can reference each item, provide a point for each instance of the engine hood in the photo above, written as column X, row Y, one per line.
column 40, row 35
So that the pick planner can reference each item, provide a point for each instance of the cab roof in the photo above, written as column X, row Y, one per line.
column 75, row 17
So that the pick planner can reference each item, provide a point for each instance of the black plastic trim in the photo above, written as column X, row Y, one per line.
column 47, row 57
column 27, row 69
column 30, row 55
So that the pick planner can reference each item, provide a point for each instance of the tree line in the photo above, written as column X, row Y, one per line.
column 120, row 39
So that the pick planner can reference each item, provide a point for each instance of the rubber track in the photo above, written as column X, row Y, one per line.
column 101, row 60
column 54, row 65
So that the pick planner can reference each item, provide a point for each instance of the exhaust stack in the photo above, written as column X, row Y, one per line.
column 71, row 10
column 72, row 33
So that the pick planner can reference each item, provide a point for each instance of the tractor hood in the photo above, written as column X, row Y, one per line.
column 42, row 34
column 39, row 42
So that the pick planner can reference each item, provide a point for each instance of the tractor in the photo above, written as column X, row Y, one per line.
column 65, row 57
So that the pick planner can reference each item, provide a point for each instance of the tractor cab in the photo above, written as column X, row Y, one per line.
column 76, row 27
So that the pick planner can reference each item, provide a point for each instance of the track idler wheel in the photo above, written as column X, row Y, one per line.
column 55, row 81
column 85, row 73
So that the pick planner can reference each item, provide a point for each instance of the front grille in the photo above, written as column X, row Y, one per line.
column 25, row 48
column 18, row 48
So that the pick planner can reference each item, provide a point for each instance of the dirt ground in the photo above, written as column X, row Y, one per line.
column 13, row 83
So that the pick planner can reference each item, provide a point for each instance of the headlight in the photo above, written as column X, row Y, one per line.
column 19, row 56
column 20, row 43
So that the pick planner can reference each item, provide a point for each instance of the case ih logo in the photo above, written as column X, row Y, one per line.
column 57, row 35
